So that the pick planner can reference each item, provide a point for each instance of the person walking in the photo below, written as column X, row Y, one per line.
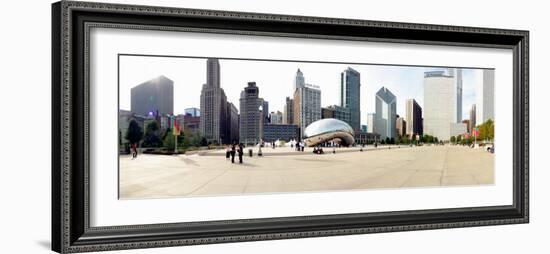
column 233, row 153
column 134, row 150
column 241, row 151
column 227, row 152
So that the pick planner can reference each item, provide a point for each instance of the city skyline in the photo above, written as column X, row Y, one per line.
column 276, row 80
column 222, row 130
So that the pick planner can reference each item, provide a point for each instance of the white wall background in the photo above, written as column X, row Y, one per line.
column 25, row 126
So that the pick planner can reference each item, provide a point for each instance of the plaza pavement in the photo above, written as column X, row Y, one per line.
column 285, row 170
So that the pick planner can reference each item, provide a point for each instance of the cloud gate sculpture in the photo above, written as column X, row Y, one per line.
column 328, row 129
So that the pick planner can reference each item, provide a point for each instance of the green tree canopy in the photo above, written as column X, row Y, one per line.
column 169, row 141
column 405, row 139
column 134, row 133
column 486, row 130
column 203, row 141
column 152, row 137
column 152, row 126
column 428, row 138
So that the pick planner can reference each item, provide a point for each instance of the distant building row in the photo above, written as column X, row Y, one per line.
column 443, row 103
column 219, row 121
column 187, row 122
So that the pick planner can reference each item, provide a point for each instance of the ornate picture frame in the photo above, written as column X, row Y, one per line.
column 71, row 197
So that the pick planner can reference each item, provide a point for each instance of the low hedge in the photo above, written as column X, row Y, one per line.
column 163, row 151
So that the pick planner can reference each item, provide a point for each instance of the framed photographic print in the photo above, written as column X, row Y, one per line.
column 182, row 126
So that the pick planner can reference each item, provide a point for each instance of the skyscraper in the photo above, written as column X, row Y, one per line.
column 440, row 104
column 286, row 132
column 265, row 110
column 350, row 91
column 467, row 123
column 472, row 117
column 288, row 112
column 386, row 111
column 413, row 118
column 251, row 118
column 457, row 83
column 371, row 128
column 307, row 103
column 232, row 130
column 336, row 112
column 191, row 123
column 485, row 97
column 342, row 113
column 327, row 113
column 213, row 72
column 400, row 126
column 152, row 97
column 299, row 80
column 276, row 117
column 192, row 111
column 213, row 108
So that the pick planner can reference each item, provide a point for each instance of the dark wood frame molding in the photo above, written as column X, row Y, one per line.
column 71, row 22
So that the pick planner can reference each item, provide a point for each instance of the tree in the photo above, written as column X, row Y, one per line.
column 165, row 133
column 169, row 142
column 405, row 140
column 134, row 133
column 203, row 141
column 486, row 130
column 184, row 139
column 453, row 139
column 181, row 139
column 428, row 139
column 152, row 137
column 196, row 140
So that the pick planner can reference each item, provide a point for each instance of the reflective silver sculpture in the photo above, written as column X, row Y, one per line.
column 328, row 129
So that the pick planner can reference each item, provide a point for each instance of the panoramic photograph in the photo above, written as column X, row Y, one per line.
column 196, row 126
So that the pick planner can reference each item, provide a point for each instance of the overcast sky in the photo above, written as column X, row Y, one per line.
column 275, row 80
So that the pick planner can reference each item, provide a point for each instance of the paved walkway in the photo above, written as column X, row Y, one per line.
column 154, row 176
column 280, row 151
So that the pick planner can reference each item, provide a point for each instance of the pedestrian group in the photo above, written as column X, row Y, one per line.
column 231, row 150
